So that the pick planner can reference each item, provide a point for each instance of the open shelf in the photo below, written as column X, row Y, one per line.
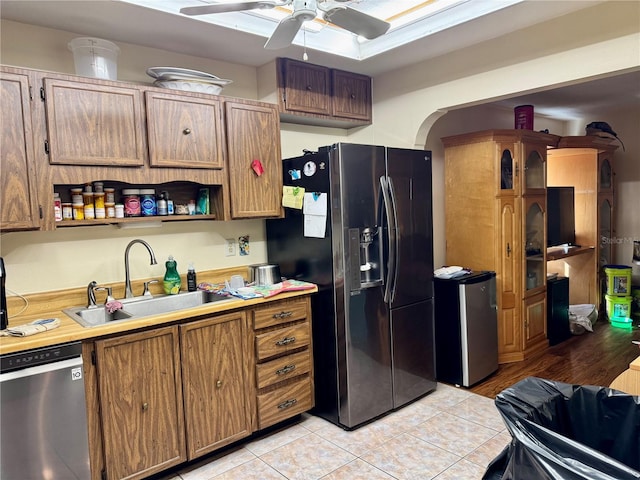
column 558, row 253
column 132, row 220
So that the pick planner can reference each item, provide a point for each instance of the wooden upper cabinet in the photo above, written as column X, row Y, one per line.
column 216, row 369
column 18, row 197
column 351, row 95
column 316, row 95
column 306, row 87
column 253, row 143
column 184, row 131
column 141, row 406
column 94, row 124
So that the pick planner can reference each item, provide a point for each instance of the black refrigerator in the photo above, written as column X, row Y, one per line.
column 371, row 255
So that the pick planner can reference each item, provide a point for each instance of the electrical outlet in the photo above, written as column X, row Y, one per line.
column 230, row 247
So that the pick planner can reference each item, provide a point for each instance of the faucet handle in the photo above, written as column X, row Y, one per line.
column 108, row 290
column 146, row 292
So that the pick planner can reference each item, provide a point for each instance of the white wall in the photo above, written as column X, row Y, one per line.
column 407, row 105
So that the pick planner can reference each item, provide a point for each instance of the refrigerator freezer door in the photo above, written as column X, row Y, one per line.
column 413, row 358
column 409, row 173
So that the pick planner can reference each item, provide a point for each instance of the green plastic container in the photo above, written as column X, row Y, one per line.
column 620, row 322
column 618, row 307
column 618, row 280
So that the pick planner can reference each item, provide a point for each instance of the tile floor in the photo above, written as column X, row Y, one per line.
column 449, row 434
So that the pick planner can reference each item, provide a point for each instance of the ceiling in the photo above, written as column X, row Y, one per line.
column 441, row 26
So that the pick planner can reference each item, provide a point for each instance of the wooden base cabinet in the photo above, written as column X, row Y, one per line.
column 140, row 398
column 143, row 378
column 495, row 204
column 160, row 397
column 284, row 360
column 215, row 368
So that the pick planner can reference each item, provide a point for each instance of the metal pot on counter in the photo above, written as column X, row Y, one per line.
column 264, row 274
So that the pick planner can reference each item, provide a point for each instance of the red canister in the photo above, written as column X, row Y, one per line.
column 524, row 117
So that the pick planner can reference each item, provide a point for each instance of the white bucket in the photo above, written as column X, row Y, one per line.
column 94, row 57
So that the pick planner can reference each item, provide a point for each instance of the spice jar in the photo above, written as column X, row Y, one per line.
column 131, row 201
column 97, row 187
column 89, row 212
column 109, row 195
column 57, row 207
column 78, row 211
column 76, row 196
column 110, row 210
column 98, row 203
column 119, row 208
column 67, row 211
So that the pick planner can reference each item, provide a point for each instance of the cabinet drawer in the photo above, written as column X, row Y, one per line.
column 282, row 340
column 282, row 368
column 284, row 403
column 281, row 313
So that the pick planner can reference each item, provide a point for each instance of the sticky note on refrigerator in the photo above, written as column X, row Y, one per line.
column 292, row 197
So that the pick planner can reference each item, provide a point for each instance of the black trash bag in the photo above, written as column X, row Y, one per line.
column 564, row 432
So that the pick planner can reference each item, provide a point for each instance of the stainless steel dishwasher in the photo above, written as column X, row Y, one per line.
column 43, row 415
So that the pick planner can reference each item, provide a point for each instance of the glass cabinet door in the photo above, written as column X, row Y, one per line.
column 534, row 171
column 506, row 170
column 604, row 231
column 535, row 272
column 604, row 176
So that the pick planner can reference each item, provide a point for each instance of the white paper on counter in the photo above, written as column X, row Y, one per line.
column 315, row 203
column 315, row 225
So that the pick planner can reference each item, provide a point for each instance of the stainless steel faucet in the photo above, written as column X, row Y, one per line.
column 127, row 281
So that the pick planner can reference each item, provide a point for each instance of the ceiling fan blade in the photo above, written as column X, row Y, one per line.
column 229, row 7
column 357, row 22
column 284, row 33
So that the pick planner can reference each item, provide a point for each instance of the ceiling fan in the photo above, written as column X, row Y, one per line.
column 343, row 16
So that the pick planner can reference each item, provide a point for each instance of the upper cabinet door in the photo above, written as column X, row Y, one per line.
column 184, row 131
column 94, row 124
column 533, row 174
column 18, row 201
column 306, row 87
column 351, row 95
column 254, row 159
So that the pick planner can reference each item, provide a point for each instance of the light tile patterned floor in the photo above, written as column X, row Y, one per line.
column 449, row 434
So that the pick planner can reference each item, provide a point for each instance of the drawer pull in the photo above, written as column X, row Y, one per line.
column 285, row 341
column 282, row 314
column 285, row 370
column 219, row 384
column 145, row 406
column 186, row 131
column 287, row 404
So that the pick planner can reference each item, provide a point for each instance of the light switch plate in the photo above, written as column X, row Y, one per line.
column 230, row 247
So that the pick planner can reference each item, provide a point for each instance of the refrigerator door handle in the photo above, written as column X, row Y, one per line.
column 391, row 237
column 394, row 246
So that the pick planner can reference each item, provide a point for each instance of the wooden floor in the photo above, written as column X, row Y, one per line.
column 588, row 359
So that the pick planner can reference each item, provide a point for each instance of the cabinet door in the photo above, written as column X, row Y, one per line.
column 94, row 124
column 253, row 143
column 508, row 278
column 306, row 87
column 215, row 365
column 508, row 168
column 605, row 172
column 184, row 131
column 141, row 403
column 535, row 320
column 533, row 175
column 351, row 95
column 534, row 251
column 18, row 200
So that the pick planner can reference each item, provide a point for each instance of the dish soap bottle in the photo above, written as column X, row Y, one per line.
column 171, row 277
column 191, row 278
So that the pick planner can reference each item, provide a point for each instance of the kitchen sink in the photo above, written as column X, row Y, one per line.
column 140, row 307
